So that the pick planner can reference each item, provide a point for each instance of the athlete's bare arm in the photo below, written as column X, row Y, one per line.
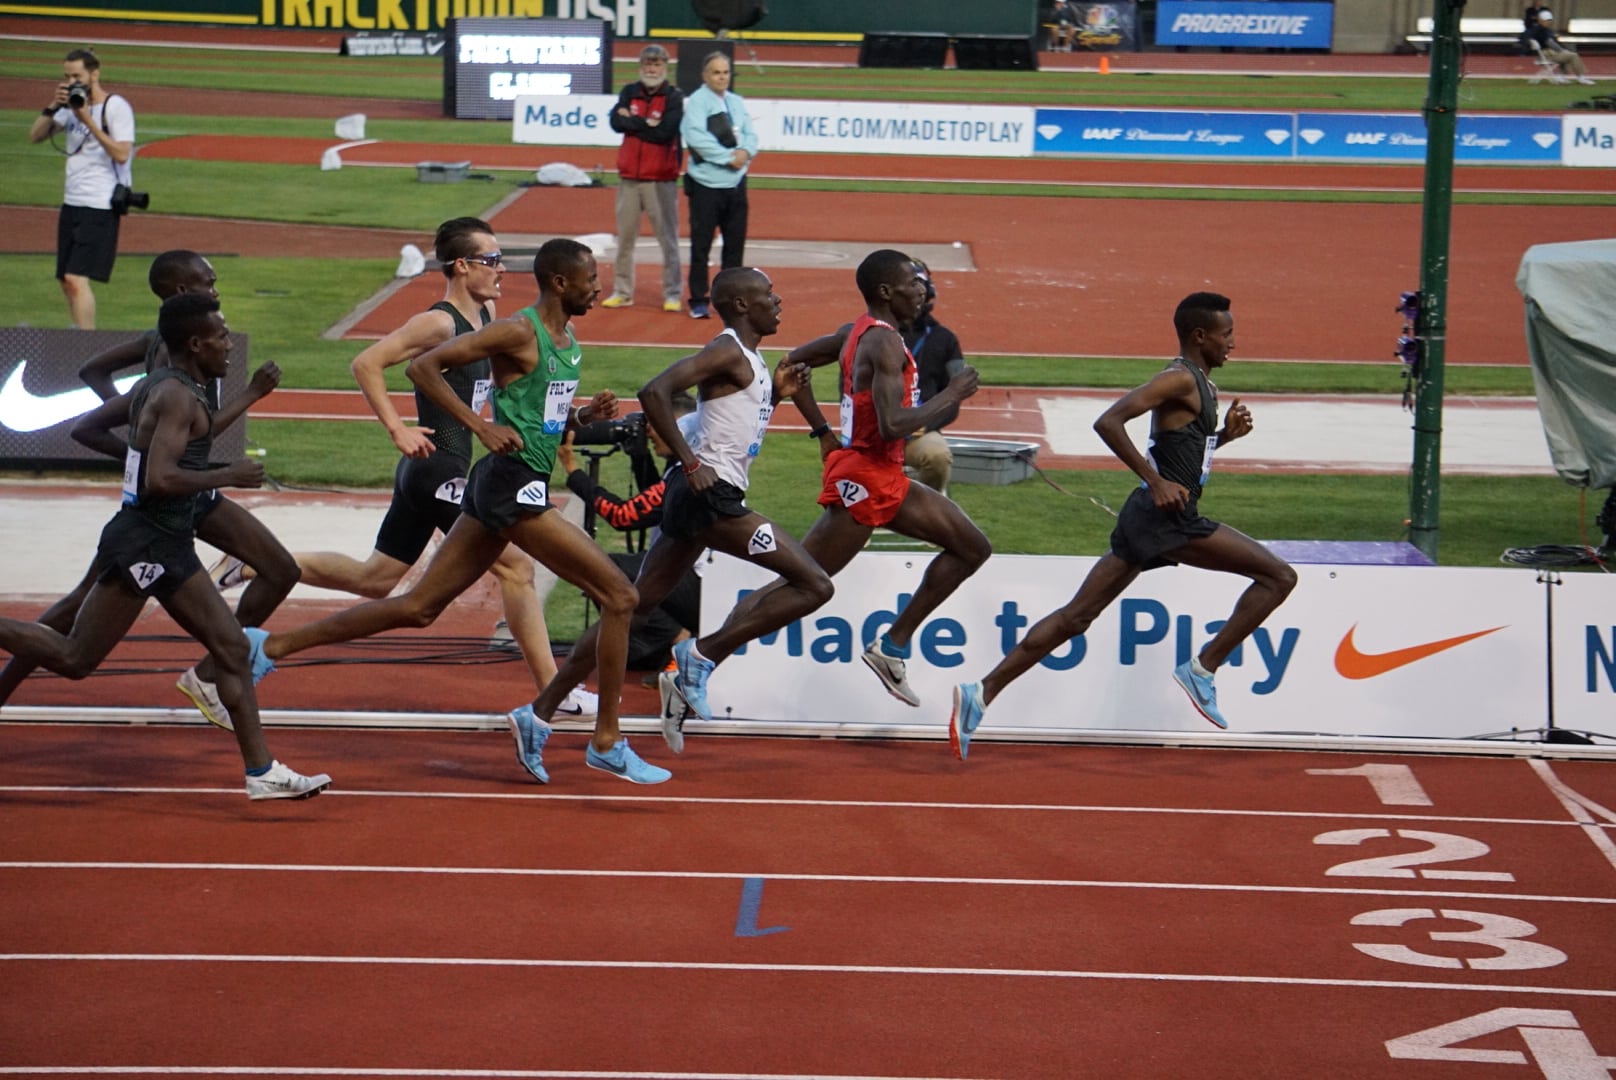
column 880, row 359
column 171, row 418
column 511, row 346
column 260, row 386
column 95, row 428
column 423, row 332
column 822, row 350
column 98, row 371
column 719, row 369
column 1173, row 399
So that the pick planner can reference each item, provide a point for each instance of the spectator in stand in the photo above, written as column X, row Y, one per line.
column 100, row 143
column 718, row 133
column 937, row 360
column 648, row 115
column 1569, row 62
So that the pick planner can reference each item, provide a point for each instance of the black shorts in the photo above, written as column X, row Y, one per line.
column 501, row 490
column 86, row 242
column 426, row 497
column 206, row 503
column 687, row 514
column 152, row 561
column 1146, row 537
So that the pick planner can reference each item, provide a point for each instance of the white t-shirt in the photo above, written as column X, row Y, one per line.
column 729, row 430
column 91, row 174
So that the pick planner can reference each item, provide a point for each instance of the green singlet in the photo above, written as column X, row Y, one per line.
column 536, row 406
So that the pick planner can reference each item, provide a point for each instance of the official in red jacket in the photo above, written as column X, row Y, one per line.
column 648, row 113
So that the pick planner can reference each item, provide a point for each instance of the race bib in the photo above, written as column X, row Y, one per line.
column 762, row 541
column 852, row 492
column 847, row 419
column 145, row 574
column 479, row 394
column 131, row 477
column 558, row 405
column 451, row 491
column 536, row 493
column 756, row 444
column 1206, row 459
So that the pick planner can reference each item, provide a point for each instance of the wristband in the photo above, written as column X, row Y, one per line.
column 820, row 432
column 692, row 470
column 49, row 110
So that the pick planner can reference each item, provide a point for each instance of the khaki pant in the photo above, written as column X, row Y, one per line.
column 1567, row 60
column 659, row 201
column 928, row 454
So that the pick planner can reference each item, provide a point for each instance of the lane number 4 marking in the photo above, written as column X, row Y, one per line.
column 1553, row 1037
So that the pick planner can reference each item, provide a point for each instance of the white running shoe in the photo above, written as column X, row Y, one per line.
column 281, row 782
column 579, row 703
column 205, row 696
column 227, row 573
column 890, row 670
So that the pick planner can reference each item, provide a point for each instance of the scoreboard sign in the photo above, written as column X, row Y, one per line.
column 489, row 63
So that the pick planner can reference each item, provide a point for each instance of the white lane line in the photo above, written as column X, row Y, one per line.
column 793, row 969
column 742, row 875
column 834, row 804
column 1580, row 807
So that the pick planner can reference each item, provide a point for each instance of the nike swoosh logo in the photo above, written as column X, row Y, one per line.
column 22, row 410
column 1352, row 663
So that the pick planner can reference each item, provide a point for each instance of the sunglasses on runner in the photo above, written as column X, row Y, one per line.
column 493, row 258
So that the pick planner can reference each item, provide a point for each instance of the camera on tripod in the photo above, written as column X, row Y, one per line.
column 627, row 433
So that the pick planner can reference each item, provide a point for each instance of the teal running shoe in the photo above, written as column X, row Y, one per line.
column 1202, row 694
column 693, row 672
column 625, row 764
column 531, row 734
column 261, row 664
column 962, row 724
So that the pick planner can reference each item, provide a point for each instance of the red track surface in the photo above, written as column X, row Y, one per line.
column 935, row 919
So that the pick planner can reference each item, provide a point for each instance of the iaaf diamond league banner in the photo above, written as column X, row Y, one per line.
column 41, row 395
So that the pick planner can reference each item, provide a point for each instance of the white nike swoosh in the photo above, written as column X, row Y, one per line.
column 22, row 410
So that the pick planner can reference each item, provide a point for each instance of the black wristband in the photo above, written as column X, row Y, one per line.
column 49, row 110
column 820, row 432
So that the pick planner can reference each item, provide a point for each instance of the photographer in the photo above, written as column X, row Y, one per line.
column 650, row 640
column 938, row 358
column 100, row 135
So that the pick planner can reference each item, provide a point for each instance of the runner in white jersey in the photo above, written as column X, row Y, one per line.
column 705, row 502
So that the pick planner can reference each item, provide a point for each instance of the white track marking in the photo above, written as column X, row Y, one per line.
column 1582, row 808
column 742, row 875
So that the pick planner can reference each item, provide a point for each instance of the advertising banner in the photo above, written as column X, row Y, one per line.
column 1355, row 650
column 1106, row 27
column 1589, row 140
column 822, row 126
column 1253, row 24
column 1479, row 140
column 489, row 63
column 1584, row 640
column 41, row 395
column 1165, row 133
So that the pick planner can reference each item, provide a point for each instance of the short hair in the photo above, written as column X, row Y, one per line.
column 454, row 241
column 182, row 317
column 730, row 283
column 170, row 269
column 91, row 61
column 882, row 267
column 717, row 54
column 1197, row 311
column 653, row 52
column 557, row 258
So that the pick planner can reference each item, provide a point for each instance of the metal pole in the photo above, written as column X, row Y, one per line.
column 1441, row 120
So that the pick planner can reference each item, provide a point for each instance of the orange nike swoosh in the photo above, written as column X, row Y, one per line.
column 1353, row 664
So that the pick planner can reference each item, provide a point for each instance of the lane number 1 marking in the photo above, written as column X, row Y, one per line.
column 1394, row 784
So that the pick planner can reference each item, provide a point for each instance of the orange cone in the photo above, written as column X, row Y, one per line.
column 1105, row 64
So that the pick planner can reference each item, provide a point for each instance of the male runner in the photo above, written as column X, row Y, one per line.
column 535, row 361
column 704, row 505
column 864, row 483
column 220, row 521
column 1160, row 524
column 149, row 547
column 437, row 455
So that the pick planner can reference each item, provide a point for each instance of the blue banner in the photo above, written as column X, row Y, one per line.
column 1153, row 133
column 1256, row 24
column 1480, row 140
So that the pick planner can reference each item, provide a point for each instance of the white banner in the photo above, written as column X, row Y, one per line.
column 823, row 126
column 1588, row 139
column 1585, row 653
column 1355, row 650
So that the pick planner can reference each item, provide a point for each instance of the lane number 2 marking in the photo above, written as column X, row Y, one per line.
column 1440, row 848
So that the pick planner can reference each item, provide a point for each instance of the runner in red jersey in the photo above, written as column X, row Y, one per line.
column 865, row 486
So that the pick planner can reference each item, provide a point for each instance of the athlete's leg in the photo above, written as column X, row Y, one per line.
column 803, row 587
column 59, row 617
column 1103, row 584
column 524, row 613
column 234, row 530
column 464, row 556
column 1272, row 579
column 936, row 519
column 201, row 612
column 373, row 578
column 831, row 542
column 575, row 558
column 104, row 618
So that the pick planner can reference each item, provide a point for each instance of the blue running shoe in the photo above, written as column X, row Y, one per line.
column 967, row 715
column 261, row 664
column 693, row 672
column 625, row 764
column 531, row 734
column 1202, row 694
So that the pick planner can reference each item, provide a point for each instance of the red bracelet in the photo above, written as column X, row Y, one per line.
column 692, row 470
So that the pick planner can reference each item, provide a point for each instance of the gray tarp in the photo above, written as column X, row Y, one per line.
column 1570, row 292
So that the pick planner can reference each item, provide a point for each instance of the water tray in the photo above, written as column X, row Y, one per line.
column 991, row 461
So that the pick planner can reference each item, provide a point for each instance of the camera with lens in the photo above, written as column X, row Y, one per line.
column 78, row 95
column 627, row 432
column 124, row 197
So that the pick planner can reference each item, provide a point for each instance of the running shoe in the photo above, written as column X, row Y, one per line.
column 674, row 711
column 693, row 672
column 261, row 665
column 967, row 714
column 227, row 573
column 673, row 305
column 625, row 764
column 701, row 310
column 1201, row 691
column 579, row 703
column 281, row 782
column 617, row 300
column 531, row 734
column 205, row 696
column 890, row 670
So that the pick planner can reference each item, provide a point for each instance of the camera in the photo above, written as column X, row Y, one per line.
column 124, row 197
column 78, row 95
column 627, row 432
